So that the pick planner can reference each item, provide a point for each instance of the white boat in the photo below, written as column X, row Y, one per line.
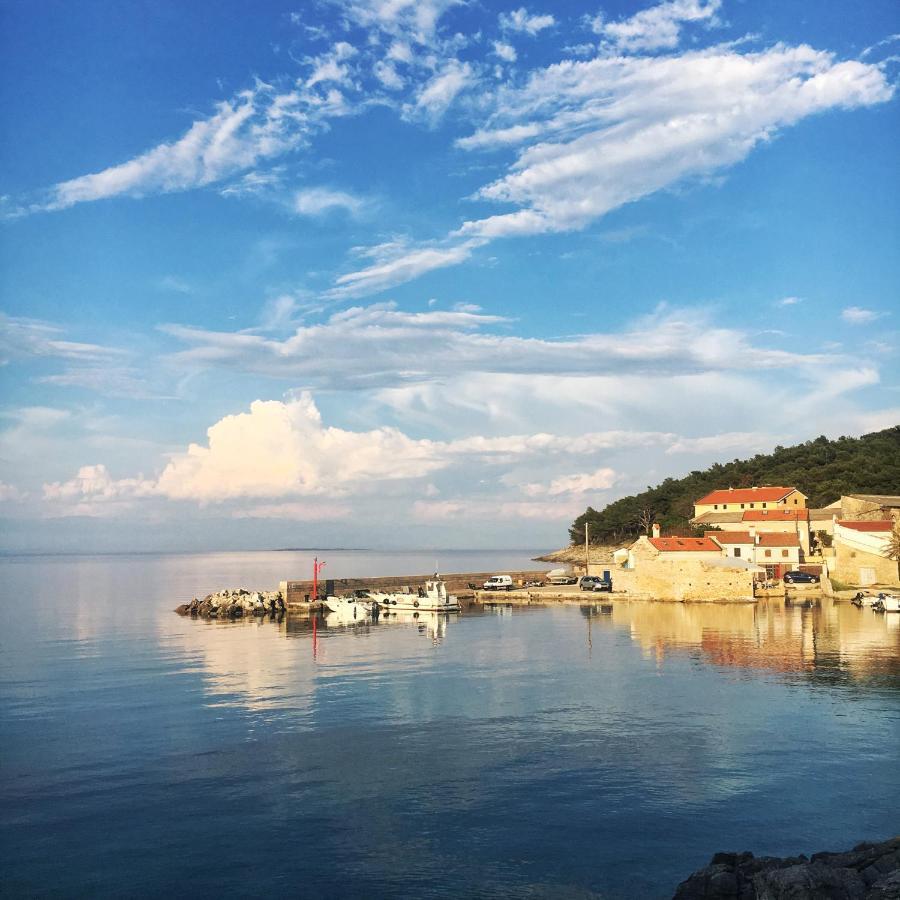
column 887, row 603
column 433, row 597
column 862, row 600
column 349, row 607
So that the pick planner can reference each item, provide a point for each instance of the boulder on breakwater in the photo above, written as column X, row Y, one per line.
column 234, row 604
column 867, row 872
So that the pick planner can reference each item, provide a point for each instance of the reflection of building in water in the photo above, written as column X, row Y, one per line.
column 770, row 635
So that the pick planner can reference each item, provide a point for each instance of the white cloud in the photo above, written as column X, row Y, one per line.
column 437, row 94
column 505, row 51
column 743, row 442
column 617, row 129
column 857, row 315
column 400, row 264
column 20, row 336
column 520, row 20
column 320, row 200
column 255, row 125
column 381, row 346
column 790, row 301
column 656, row 28
column 332, row 66
column 9, row 493
column 599, row 480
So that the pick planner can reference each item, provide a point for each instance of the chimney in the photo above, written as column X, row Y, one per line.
column 655, row 530
column 752, row 532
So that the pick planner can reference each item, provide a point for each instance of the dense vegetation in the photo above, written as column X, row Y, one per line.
column 822, row 469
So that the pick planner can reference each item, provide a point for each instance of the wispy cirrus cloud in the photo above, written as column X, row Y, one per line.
column 381, row 346
column 597, row 134
column 656, row 28
column 858, row 315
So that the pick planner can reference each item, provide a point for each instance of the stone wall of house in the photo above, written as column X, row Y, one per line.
column 683, row 580
column 858, row 567
column 855, row 509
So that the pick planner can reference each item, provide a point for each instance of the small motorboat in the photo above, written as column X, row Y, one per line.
column 887, row 603
column 862, row 599
column 350, row 608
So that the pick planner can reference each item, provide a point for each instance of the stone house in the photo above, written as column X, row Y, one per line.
column 860, row 552
column 869, row 507
column 682, row 569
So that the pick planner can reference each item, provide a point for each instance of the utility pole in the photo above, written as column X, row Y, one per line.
column 587, row 552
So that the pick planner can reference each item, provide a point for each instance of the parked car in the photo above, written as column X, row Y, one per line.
column 594, row 583
column 499, row 583
column 797, row 577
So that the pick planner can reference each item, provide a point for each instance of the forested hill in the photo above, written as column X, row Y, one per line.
column 822, row 469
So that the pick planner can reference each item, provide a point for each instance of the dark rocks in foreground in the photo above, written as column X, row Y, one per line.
column 234, row 605
column 867, row 872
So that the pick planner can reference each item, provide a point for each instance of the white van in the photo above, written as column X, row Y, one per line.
column 498, row 583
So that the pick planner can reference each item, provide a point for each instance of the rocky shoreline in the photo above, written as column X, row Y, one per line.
column 867, row 872
column 234, row 604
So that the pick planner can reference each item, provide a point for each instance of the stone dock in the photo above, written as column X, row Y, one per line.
column 298, row 594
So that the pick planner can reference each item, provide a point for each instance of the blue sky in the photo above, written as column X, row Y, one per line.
column 388, row 274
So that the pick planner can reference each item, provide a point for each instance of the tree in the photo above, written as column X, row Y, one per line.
column 892, row 551
column 645, row 519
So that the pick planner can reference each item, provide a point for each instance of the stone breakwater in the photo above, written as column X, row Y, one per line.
column 234, row 604
column 867, row 872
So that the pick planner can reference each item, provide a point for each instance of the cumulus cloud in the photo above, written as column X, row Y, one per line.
column 520, row 20
column 505, row 51
column 9, row 493
column 656, row 28
column 857, row 315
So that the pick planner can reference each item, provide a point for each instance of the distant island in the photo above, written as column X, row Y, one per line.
column 822, row 469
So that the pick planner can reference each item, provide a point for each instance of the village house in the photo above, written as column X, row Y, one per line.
column 682, row 568
column 777, row 552
column 869, row 507
column 755, row 498
column 860, row 552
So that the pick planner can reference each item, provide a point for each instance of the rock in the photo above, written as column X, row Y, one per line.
column 867, row 872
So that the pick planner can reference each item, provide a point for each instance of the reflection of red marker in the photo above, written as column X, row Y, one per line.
column 315, row 640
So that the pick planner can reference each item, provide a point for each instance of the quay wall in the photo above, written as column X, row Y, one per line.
column 296, row 592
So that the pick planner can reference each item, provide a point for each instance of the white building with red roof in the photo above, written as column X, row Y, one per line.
column 733, row 500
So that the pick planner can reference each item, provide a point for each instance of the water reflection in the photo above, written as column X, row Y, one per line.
column 770, row 635
column 249, row 660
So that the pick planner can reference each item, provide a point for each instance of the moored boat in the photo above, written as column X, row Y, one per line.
column 432, row 597
column 887, row 603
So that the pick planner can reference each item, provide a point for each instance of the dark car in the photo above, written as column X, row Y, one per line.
column 594, row 583
column 796, row 577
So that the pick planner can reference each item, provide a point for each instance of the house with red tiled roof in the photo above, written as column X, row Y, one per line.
column 766, row 497
column 765, row 549
column 767, row 509
column 682, row 568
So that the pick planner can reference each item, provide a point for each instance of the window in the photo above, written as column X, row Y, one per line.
column 784, row 553
column 737, row 551
column 742, row 506
column 795, row 501
column 752, row 505
column 715, row 506
column 764, row 505
column 768, row 552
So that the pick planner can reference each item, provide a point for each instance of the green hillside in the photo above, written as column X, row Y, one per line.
column 822, row 469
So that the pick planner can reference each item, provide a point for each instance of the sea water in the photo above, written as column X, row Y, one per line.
column 605, row 750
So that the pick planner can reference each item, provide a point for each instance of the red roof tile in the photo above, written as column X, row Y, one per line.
column 745, row 495
column 668, row 544
column 774, row 515
column 778, row 540
column 879, row 525
column 730, row 537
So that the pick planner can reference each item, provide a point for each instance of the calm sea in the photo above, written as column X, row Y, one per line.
column 601, row 751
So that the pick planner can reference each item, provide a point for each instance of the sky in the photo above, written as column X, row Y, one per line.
column 393, row 274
